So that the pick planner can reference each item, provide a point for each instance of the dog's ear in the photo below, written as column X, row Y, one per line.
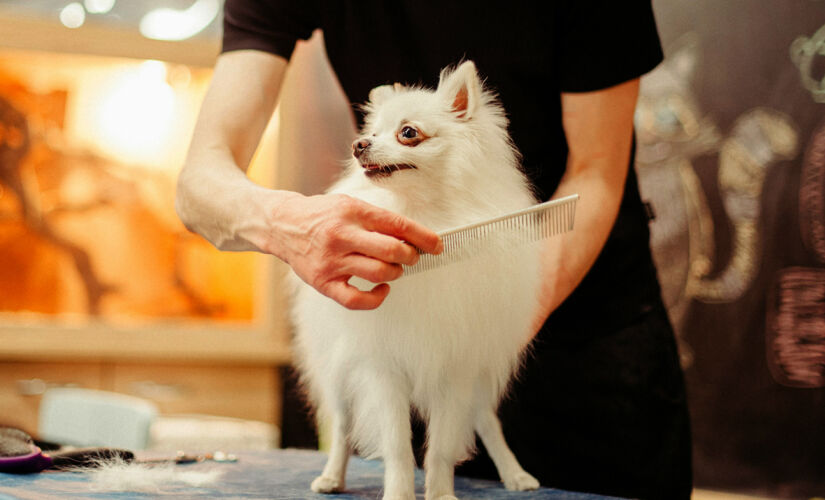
column 461, row 88
column 379, row 94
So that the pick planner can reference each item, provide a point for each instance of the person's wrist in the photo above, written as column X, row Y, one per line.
column 264, row 213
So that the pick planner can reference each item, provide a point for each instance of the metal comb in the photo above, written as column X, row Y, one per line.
column 526, row 225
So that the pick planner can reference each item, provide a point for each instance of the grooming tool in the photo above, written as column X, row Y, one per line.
column 527, row 225
column 186, row 458
column 19, row 455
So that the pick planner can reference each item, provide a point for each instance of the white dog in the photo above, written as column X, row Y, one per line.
column 445, row 342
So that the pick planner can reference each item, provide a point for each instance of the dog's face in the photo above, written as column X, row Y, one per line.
column 411, row 131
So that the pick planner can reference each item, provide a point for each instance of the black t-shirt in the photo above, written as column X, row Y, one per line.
column 527, row 53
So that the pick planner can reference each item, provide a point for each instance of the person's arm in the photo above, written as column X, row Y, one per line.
column 326, row 239
column 599, row 130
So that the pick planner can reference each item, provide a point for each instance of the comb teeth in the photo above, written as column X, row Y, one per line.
column 524, row 226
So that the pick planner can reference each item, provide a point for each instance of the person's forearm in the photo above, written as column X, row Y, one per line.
column 567, row 258
column 218, row 201
column 214, row 197
column 599, row 130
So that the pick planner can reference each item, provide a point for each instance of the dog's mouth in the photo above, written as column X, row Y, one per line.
column 372, row 170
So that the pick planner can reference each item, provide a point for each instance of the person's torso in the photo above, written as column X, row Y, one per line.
column 370, row 43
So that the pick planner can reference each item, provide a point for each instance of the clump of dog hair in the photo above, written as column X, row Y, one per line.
column 118, row 475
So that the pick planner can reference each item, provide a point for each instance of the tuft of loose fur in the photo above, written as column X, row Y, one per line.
column 445, row 342
column 117, row 475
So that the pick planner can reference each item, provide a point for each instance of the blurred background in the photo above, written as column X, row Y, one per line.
column 102, row 288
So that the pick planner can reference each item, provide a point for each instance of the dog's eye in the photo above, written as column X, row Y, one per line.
column 410, row 136
column 409, row 133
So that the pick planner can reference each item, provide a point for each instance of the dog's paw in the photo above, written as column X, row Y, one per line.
column 324, row 484
column 520, row 481
column 446, row 497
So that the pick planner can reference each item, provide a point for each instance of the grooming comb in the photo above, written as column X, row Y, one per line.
column 526, row 225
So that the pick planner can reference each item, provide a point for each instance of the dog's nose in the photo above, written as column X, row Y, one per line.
column 359, row 146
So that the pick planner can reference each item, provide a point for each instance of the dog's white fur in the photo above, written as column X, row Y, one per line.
column 444, row 342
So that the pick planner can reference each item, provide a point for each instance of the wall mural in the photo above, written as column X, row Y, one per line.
column 671, row 129
column 804, row 52
column 731, row 156
column 796, row 309
column 89, row 235
column 15, row 143
column 812, row 196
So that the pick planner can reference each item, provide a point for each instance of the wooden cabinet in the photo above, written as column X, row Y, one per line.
column 184, row 367
column 251, row 392
column 23, row 384
column 247, row 392
column 202, row 367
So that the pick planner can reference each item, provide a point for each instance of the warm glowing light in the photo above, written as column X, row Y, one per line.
column 73, row 15
column 171, row 24
column 99, row 6
column 179, row 77
column 136, row 115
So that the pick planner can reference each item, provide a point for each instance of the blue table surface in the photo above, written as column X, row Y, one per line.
column 276, row 474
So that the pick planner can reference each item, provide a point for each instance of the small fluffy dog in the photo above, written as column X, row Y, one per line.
column 445, row 342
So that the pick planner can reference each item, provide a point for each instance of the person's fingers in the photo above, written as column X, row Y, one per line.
column 353, row 298
column 370, row 269
column 386, row 248
column 327, row 239
column 392, row 224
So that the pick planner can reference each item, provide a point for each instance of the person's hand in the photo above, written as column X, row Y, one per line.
column 327, row 239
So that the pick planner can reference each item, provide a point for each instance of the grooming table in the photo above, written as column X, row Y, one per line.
column 275, row 474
